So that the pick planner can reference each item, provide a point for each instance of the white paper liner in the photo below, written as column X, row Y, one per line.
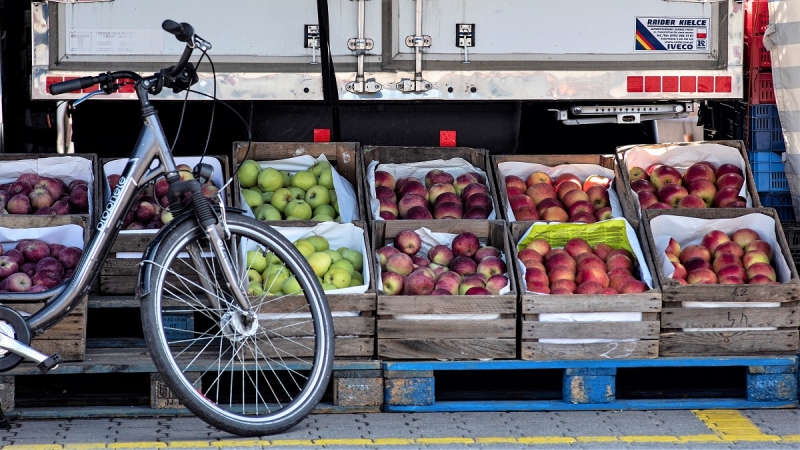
column 690, row 231
column 582, row 171
column 273, row 316
column 65, row 168
column 589, row 317
column 454, row 166
column 338, row 235
column 430, row 239
column 67, row 235
column 345, row 194
column 681, row 157
column 435, row 317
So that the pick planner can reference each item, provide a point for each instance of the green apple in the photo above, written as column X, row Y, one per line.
column 317, row 196
column 270, row 180
column 274, row 281
column 338, row 277
column 272, row 259
column 255, row 289
column 338, row 219
column 281, row 198
column 304, row 180
column 287, row 179
column 267, row 212
column 328, row 287
column 354, row 256
column 291, row 286
column 335, row 256
column 248, row 173
column 266, row 197
column 325, row 209
column 357, row 277
column 255, row 260
column 297, row 193
column 344, row 264
column 252, row 198
column 254, row 276
column 354, row 282
column 277, row 293
column 322, row 218
column 320, row 262
column 306, row 248
column 332, row 193
column 320, row 243
column 326, row 179
column 319, row 167
column 299, row 209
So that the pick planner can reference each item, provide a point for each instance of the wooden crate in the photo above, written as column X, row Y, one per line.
column 95, row 195
column 399, row 155
column 675, row 317
column 604, row 161
column 68, row 337
column 118, row 276
column 533, row 329
column 355, row 335
column 631, row 205
column 459, row 339
column 345, row 158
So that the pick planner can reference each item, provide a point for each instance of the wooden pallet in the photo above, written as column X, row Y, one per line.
column 448, row 339
column 675, row 317
column 770, row 382
column 124, row 383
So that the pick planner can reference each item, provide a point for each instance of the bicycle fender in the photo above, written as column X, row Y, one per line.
column 145, row 268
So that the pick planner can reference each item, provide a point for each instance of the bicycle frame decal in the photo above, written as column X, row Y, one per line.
column 114, row 198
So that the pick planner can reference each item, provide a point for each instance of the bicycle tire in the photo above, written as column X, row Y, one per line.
column 262, row 374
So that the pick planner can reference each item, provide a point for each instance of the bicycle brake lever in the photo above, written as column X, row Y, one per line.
column 87, row 97
column 201, row 43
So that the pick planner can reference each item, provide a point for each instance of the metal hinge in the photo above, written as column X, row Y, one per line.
column 418, row 41
column 360, row 45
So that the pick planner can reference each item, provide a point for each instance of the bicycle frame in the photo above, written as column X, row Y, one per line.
column 150, row 146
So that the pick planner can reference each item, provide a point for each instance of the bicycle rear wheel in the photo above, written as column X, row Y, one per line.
column 247, row 377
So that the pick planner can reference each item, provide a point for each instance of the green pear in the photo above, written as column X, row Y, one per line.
column 333, row 195
column 335, row 256
column 328, row 287
column 325, row 209
column 322, row 218
column 267, row 212
column 297, row 193
column 304, row 247
column 338, row 277
column 255, row 289
column 254, row 276
column 304, row 180
column 266, row 197
column 291, row 286
column 357, row 277
column 287, row 179
column 274, row 281
column 320, row 243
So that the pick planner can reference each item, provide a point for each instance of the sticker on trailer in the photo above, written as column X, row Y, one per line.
column 672, row 34
column 115, row 42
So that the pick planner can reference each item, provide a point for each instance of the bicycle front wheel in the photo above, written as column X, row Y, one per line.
column 249, row 372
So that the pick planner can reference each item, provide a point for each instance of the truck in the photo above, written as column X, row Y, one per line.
column 511, row 76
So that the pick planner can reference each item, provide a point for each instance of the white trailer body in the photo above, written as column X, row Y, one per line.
column 636, row 52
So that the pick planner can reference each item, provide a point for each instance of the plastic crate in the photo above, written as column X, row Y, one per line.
column 732, row 121
column 756, row 17
column 781, row 202
column 766, row 134
column 758, row 56
column 768, row 172
column 762, row 91
column 792, row 232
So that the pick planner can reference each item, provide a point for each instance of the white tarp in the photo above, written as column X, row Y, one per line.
column 782, row 39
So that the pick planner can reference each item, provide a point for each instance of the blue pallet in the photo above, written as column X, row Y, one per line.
column 781, row 202
column 770, row 382
column 766, row 134
column 768, row 172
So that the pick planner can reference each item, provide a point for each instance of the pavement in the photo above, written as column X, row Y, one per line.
column 706, row 429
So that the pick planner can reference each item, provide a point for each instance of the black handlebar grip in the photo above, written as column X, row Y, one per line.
column 183, row 31
column 72, row 85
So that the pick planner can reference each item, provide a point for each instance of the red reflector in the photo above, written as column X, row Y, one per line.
column 51, row 80
column 705, row 84
column 670, row 84
column 635, row 84
column 447, row 138
column 322, row 135
column 91, row 88
column 126, row 88
column 652, row 84
column 723, row 84
column 688, row 84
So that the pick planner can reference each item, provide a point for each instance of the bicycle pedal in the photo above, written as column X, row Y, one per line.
column 50, row 363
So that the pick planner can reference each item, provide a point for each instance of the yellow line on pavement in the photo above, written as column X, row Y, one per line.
column 731, row 424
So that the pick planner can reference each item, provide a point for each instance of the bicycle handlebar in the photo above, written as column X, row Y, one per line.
column 183, row 31
column 74, row 85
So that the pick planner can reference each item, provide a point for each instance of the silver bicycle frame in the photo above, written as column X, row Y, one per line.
column 150, row 146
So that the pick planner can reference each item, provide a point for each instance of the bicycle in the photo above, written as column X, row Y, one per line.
column 235, row 369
